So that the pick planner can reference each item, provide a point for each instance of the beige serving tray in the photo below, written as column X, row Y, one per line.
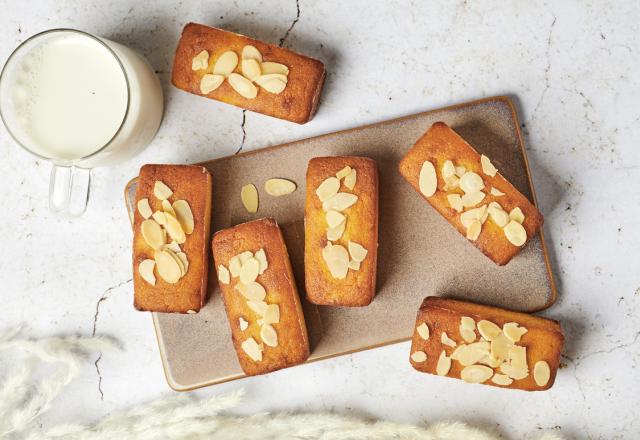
column 420, row 254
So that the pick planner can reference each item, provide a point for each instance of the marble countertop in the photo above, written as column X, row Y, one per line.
column 572, row 70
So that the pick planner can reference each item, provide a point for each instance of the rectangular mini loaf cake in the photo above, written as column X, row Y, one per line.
column 468, row 191
column 247, row 73
column 170, row 239
column 482, row 344
column 341, row 230
column 260, row 296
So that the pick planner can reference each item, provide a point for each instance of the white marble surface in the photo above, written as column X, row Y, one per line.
column 571, row 66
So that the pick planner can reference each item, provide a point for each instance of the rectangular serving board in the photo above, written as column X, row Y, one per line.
column 420, row 254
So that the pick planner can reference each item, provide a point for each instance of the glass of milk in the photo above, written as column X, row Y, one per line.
column 78, row 101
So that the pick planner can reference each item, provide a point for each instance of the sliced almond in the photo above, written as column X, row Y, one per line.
column 357, row 251
column 448, row 170
column 488, row 330
column 418, row 356
column 200, row 61
column 458, row 350
column 471, row 182
column 251, row 53
column 210, row 82
column 268, row 335
column 152, row 234
column 334, row 234
column 183, row 259
column 512, row 372
column 167, row 208
column 272, row 314
column 243, row 324
column 515, row 233
column 423, row 330
column 340, row 202
column 518, row 357
column 428, row 181
column 261, row 256
column 144, row 208
column 354, row 265
column 468, row 335
column 500, row 346
column 183, row 269
column 249, row 271
column 235, row 266
column 161, row 191
column 473, row 231
column 250, row 69
column 444, row 364
column 337, row 259
column 498, row 215
column 467, row 323
column 467, row 217
column 541, row 373
column 173, row 246
column 455, row 201
column 252, row 349
column 476, row 374
column 252, row 291
column 513, row 331
column 223, row 274
column 226, row 63
column 328, row 188
column 501, row 379
column 271, row 85
column 472, row 198
column 487, row 166
column 174, row 228
column 451, row 183
column 243, row 86
column 472, row 353
column 269, row 67
column 496, row 192
column 249, row 197
column 259, row 307
column 517, row 215
column 350, row 179
column 145, row 269
column 343, row 172
column 446, row 340
column 265, row 78
column 244, row 256
column 460, row 171
column 168, row 268
column 334, row 218
column 184, row 215
column 279, row 187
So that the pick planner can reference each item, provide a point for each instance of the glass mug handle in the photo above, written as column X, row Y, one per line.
column 69, row 190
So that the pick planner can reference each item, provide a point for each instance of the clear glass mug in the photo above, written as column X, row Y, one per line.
column 78, row 101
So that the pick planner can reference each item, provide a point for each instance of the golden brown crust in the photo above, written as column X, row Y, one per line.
column 297, row 103
column 278, row 281
column 193, row 184
column 543, row 340
column 358, row 288
column 441, row 143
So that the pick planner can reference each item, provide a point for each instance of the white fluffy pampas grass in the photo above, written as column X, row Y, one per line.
column 23, row 398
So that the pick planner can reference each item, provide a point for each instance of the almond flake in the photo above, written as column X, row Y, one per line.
column 243, row 86
column 173, row 246
column 328, row 188
column 468, row 335
column 251, row 53
column 498, row 215
column 456, row 353
column 249, row 197
column 183, row 259
column 455, row 201
column 513, row 331
column 272, row 314
column 168, row 268
column 472, row 353
column 541, row 373
column 500, row 346
column 279, row 187
column 515, row 233
column 271, row 76
column 167, row 208
column 446, row 340
column 226, row 63
column 471, row 182
column 334, row 218
column 161, row 191
column 250, row 69
column 152, row 234
column 249, row 271
column 516, row 215
column 448, row 170
column 252, row 292
column 145, row 269
column 428, row 181
column 472, row 198
column 183, row 269
column 335, row 233
column 473, row 231
column 243, row 323
column 490, row 361
column 223, row 274
column 269, row 67
column 259, row 307
column 261, row 256
column 423, row 330
column 444, row 364
column 476, row 374
column 354, row 265
column 159, row 217
column 451, row 183
column 496, row 192
column 174, row 228
column 337, row 259
column 144, row 209
column 184, row 215
column 350, row 179
column 418, row 356
column 252, row 349
column 513, row 372
column 467, row 323
column 268, row 335
column 271, row 84
column 357, row 251
column 244, row 256
column 488, row 330
column 501, row 379
column 210, row 82
column 235, row 266
column 466, row 218
column 518, row 357
column 343, row 172
column 200, row 61
column 460, row 171
column 487, row 166
column 340, row 202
